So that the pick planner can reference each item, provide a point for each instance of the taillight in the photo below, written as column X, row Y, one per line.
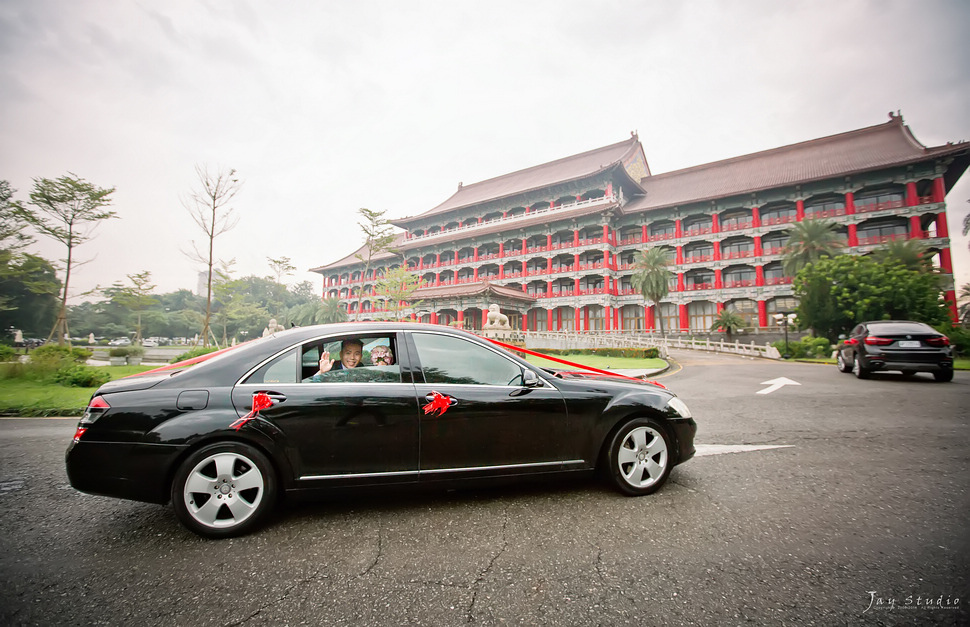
column 938, row 341
column 851, row 342
column 95, row 408
column 872, row 340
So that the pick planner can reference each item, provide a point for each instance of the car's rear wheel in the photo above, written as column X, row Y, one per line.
column 224, row 490
column 858, row 369
column 638, row 459
column 843, row 367
column 943, row 375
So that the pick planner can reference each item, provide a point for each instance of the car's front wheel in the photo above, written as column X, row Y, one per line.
column 638, row 459
column 944, row 375
column 858, row 369
column 224, row 490
column 843, row 367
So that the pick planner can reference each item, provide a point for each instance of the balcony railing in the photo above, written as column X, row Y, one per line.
column 881, row 239
column 738, row 254
column 778, row 280
column 698, row 258
column 778, row 220
column 739, row 283
column 737, row 226
column 879, row 206
column 698, row 286
column 825, row 213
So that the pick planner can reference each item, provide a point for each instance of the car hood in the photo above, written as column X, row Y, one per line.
column 587, row 375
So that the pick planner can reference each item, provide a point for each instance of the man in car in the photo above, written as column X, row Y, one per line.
column 351, row 351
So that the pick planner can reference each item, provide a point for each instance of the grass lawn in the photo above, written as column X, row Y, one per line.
column 599, row 361
column 23, row 397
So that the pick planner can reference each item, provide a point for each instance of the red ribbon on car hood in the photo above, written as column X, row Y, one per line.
column 261, row 400
column 512, row 347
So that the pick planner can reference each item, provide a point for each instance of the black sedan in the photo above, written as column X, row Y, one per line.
column 353, row 405
column 903, row 345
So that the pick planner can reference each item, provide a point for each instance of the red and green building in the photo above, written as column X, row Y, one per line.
column 553, row 244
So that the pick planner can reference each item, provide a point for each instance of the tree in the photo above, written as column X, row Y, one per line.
column 327, row 311
column 395, row 291
column 728, row 321
column 837, row 293
column 911, row 253
column 280, row 268
column 29, row 289
column 68, row 210
column 809, row 241
column 964, row 300
column 378, row 237
column 651, row 277
column 13, row 238
column 209, row 208
column 135, row 297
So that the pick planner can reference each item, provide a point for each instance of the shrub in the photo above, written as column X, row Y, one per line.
column 195, row 352
column 959, row 339
column 806, row 348
column 80, row 376
column 8, row 353
column 126, row 351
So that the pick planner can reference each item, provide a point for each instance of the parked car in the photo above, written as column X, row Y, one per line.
column 149, row 343
column 120, row 341
column 903, row 345
column 286, row 415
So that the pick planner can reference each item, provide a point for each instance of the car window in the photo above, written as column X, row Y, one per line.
column 280, row 370
column 894, row 328
column 374, row 359
column 447, row 359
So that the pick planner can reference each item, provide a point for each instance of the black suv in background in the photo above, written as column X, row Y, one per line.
column 902, row 345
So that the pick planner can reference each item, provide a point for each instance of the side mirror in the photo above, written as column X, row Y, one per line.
column 841, row 336
column 530, row 379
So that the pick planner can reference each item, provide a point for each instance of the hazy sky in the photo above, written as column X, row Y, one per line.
column 325, row 107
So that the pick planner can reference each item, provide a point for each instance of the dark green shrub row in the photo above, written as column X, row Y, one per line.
column 81, row 376
column 8, row 353
column 806, row 348
column 195, row 352
column 633, row 353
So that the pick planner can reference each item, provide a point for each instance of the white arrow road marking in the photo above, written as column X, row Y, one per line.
column 776, row 384
column 717, row 449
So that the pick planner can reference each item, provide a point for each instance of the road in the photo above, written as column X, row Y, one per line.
column 859, row 518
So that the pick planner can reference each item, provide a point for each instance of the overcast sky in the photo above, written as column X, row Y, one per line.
column 325, row 107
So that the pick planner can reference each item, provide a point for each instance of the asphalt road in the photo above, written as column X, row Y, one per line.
column 861, row 518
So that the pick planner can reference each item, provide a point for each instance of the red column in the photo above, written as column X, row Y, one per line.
column 501, row 271
column 434, row 317
column 549, row 320
column 939, row 190
column 677, row 230
column 915, row 230
column 476, row 254
column 437, row 260
column 549, row 241
column 548, row 287
column 437, row 278
column 617, row 318
column 849, row 205
column 679, row 259
column 799, row 210
column 680, row 281
column 946, row 264
column 576, row 286
column 461, row 316
column 608, row 318
column 585, row 318
column 684, row 320
column 643, row 233
column 577, row 318
column 606, row 233
column 421, row 264
column 484, row 316
column 525, row 322
column 576, row 262
column 524, row 241
column 762, row 313
column 606, row 259
column 950, row 297
column 757, row 246
column 718, row 283
column 475, row 275
column 717, row 251
column 549, row 265
column 576, row 238
column 911, row 198
column 759, row 276
column 558, row 319
column 501, row 249
column 720, row 307
column 755, row 217
column 853, row 239
column 941, row 229
column 648, row 319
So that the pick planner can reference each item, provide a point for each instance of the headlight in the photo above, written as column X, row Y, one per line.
column 679, row 406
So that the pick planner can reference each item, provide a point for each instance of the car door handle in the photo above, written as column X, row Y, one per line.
column 451, row 400
column 276, row 397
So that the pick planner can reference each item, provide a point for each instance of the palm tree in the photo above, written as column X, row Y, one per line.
column 319, row 312
column 728, row 321
column 809, row 241
column 911, row 253
column 652, row 276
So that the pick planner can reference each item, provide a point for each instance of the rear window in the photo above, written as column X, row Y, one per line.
column 900, row 328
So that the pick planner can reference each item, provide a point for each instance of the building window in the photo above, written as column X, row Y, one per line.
column 737, row 248
column 739, row 277
column 778, row 215
column 877, row 232
column 827, row 208
column 701, row 315
column 747, row 309
column 663, row 230
column 877, row 200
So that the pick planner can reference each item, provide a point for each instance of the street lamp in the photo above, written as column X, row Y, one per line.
column 785, row 318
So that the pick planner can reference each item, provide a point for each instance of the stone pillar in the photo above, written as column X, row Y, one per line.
column 437, row 260
column 950, row 297
column 576, row 286
column 946, row 263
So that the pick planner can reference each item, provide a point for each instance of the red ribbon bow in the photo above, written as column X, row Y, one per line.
column 261, row 400
column 439, row 404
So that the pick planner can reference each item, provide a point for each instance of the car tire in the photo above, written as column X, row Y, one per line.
column 639, row 457
column 860, row 371
column 224, row 490
column 943, row 375
column 840, row 361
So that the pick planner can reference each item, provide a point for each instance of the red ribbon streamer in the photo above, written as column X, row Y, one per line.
column 261, row 400
column 439, row 404
column 512, row 347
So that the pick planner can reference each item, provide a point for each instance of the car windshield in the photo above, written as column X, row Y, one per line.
column 899, row 328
